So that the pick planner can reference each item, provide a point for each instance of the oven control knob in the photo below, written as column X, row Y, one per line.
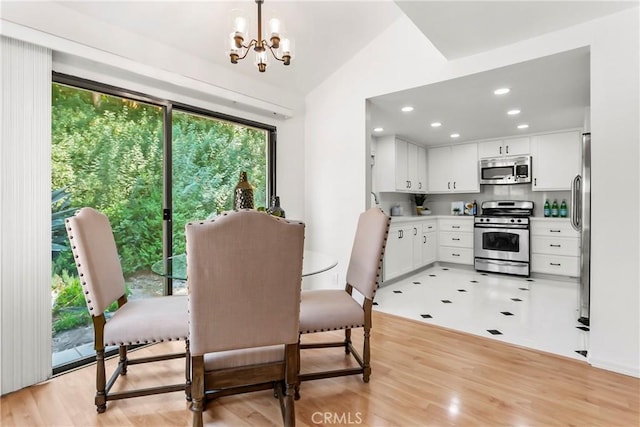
column 513, row 220
column 519, row 220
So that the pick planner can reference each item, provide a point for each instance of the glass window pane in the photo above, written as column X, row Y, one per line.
column 106, row 154
column 208, row 155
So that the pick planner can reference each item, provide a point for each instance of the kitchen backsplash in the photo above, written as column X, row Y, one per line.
column 440, row 204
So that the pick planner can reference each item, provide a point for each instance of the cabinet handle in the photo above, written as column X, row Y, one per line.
column 420, row 185
column 415, row 231
column 455, row 254
column 500, row 150
column 430, row 227
column 455, row 238
column 449, row 185
column 507, row 148
column 409, row 184
column 455, row 226
column 555, row 246
column 399, row 234
column 555, row 264
column 535, row 182
column 555, row 231
column 454, row 185
column 424, row 239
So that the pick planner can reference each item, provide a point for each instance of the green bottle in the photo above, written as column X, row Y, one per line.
column 547, row 209
column 563, row 209
column 554, row 208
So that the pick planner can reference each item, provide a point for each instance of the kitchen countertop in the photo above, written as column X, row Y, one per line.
column 411, row 218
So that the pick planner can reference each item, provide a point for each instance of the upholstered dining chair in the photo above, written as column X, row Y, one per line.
column 140, row 321
column 336, row 309
column 244, row 275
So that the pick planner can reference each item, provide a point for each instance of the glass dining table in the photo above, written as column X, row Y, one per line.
column 312, row 263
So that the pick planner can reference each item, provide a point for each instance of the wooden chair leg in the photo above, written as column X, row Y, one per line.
column 122, row 352
column 292, row 368
column 366, row 356
column 197, row 390
column 187, row 371
column 297, row 383
column 347, row 341
column 101, row 382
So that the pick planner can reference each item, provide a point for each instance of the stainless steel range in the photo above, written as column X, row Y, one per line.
column 501, row 237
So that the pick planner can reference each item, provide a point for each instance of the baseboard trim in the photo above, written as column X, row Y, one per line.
column 632, row 371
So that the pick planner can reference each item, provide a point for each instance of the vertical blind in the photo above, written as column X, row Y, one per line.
column 25, row 214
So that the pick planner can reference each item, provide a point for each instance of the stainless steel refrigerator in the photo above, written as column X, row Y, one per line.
column 581, row 222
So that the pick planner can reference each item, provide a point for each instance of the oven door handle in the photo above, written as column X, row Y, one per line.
column 502, row 227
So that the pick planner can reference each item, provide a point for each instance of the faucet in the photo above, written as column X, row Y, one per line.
column 375, row 198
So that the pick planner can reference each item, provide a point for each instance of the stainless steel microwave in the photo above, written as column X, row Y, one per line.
column 505, row 170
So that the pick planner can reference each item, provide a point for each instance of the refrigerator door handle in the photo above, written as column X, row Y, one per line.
column 576, row 203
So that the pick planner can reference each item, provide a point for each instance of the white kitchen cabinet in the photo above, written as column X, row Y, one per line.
column 455, row 240
column 398, row 255
column 555, row 160
column 453, row 169
column 407, row 250
column 429, row 242
column 504, row 148
column 400, row 166
column 555, row 247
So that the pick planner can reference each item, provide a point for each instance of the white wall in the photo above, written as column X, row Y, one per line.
column 337, row 150
column 336, row 140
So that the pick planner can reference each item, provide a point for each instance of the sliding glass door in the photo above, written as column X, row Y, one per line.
column 151, row 167
column 106, row 154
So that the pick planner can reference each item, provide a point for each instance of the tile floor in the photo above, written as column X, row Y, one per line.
column 535, row 313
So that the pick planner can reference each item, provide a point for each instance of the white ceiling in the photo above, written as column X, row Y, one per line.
column 550, row 92
column 326, row 33
column 463, row 28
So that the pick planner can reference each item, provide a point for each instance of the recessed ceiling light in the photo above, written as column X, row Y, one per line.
column 523, row 126
column 407, row 109
column 436, row 124
column 513, row 112
column 454, row 135
column 378, row 129
column 501, row 91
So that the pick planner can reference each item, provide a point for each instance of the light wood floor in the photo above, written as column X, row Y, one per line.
column 423, row 375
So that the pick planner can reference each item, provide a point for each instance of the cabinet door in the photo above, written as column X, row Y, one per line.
column 416, row 238
column 464, row 165
column 429, row 248
column 402, row 174
column 516, row 147
column 556, row 160
column 398, row 256
column 422, row 171
column 412, row 167
column 489, row 149
column 439, row 170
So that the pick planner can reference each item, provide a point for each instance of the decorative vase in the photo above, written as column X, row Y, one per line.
column 243, row 194
column 275, row 208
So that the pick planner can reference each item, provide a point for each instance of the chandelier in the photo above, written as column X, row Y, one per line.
column 280, row 47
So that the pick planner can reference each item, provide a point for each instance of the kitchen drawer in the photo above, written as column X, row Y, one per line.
column 453, row 224
column 553, row 228
column 429, row 226
column 456, row 255
column 555, row 264
column 458, row 240
column 555, row 245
